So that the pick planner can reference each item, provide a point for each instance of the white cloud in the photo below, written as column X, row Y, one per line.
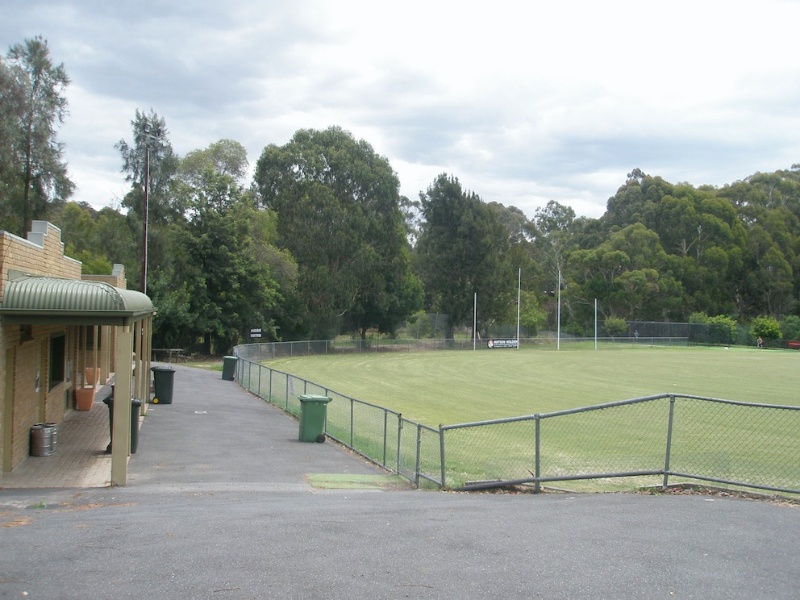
column 523, row 102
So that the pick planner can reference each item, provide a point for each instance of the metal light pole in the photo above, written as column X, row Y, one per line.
column 558, row 331
column 144, row 215
column 474, row 320
column 147, row 138
column 519, row 292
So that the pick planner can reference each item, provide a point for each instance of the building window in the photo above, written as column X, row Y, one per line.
column 57, row 359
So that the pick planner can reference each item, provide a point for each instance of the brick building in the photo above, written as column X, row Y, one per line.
column 62, row 336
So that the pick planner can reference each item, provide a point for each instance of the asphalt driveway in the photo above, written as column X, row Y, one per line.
column 222, row 504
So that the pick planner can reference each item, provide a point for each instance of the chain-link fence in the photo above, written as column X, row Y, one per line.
column 650, row 333
column 272, row 350
column 376, row 433
column 655, row 440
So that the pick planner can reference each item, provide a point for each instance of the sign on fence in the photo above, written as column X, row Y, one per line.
column 502, row 343
column 255, row 333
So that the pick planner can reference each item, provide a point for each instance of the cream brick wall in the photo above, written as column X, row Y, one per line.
column 117, row 277
column 34, row 405
column 41, row 254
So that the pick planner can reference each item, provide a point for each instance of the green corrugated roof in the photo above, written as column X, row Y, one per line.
column 32, row 299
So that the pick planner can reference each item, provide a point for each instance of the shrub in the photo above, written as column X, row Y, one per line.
column 765, row 327
column 616, row 326
column 790, row 327
column 721, row 329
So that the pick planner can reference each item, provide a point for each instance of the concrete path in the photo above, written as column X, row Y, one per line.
column 220, row 505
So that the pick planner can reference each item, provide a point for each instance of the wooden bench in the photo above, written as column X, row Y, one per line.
column 169, row 355
column 793, row 344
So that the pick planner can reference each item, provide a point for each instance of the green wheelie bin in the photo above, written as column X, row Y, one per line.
column 313, row 414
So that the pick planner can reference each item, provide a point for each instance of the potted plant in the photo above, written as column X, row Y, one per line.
column 84, row 398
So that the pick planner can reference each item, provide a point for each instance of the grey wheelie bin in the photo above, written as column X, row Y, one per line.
column 229, row 367
column 163, row 381
column 135, row 405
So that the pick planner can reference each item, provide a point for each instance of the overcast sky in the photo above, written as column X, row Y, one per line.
column 524, row 101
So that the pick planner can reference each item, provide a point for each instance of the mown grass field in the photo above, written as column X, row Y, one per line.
column 450, row 387
column 456, row 387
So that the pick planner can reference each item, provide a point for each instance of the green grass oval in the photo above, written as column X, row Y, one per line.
column 449, row 387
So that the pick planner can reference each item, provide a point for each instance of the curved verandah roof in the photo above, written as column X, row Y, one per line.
column 40, row 300
column 31, row 299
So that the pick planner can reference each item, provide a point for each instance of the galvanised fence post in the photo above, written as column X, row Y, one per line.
column 669, row 441
column 385, row 434
column 352, row 419
column 399, row 441
column 419, row 451
column 441, row 454
column 537, row 468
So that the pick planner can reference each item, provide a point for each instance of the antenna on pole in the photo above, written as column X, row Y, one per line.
column 148, row 137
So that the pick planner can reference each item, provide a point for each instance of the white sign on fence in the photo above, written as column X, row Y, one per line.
column 502, row 343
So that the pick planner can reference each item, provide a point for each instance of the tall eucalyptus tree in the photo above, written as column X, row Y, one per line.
column 33, row 104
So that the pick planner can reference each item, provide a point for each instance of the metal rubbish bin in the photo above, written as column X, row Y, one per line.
column 43, row 439
column 229, row 367
column 53, row 435
column 135, row 405
column 313, row 413
column 163, row 379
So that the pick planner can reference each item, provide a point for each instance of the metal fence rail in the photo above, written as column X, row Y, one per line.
column 376, row 433
column 654, row 440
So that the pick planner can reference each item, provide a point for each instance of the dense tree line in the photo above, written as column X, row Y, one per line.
column 321, row 242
